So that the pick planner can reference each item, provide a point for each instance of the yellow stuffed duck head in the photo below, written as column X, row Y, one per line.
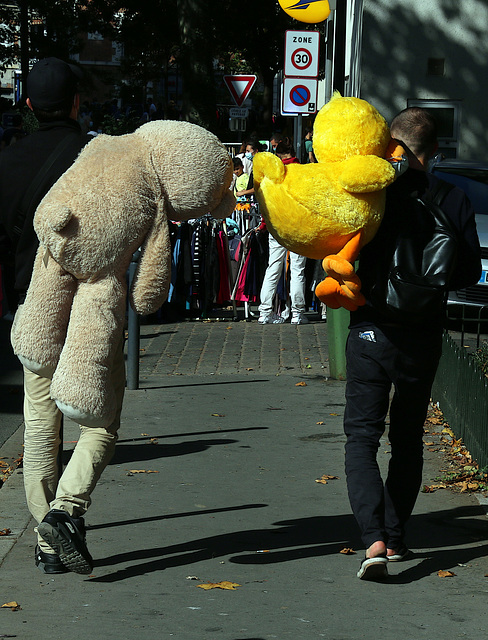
column 321, row 208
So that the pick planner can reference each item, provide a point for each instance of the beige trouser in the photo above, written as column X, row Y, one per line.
column 93, row 451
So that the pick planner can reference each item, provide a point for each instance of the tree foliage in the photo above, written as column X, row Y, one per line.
column 158, row 34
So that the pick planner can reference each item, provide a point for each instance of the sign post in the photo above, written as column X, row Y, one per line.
column 300, row 84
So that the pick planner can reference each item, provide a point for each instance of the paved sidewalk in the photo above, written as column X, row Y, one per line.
column 214, row 479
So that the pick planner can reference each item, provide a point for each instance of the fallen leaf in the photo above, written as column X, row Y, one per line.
column 301, row 384
column 347, row 551
column 5, row 532
column 218, row 415
column 249, row 369
column 427, row 489
column 142, row 471
column 320, row 422
column 192, row 578
column 323, row 479
column 231, row 586
column 15, row 606
column 445, row 574
column 429, row 444
column 333, row 414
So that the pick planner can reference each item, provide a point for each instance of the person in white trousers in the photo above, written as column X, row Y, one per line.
column 276, row 262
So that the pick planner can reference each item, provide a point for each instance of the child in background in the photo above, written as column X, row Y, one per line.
column 241, row 184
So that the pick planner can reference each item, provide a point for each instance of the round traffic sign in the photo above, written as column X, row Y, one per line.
column 300, row 95
column 301, row 59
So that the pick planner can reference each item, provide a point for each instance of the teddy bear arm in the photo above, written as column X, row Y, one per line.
column 366, row 174
column 225, row 207
column 82, row 385
column 153, row 273
column 40, row 324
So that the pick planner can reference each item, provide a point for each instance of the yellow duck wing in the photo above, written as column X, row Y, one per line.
column 267, row 165
column 365, row 174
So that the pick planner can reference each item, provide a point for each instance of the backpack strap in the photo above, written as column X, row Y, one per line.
column 432, row 200
column 440, row 191
column 36, row 186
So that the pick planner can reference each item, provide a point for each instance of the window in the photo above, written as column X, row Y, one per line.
column 447, row 114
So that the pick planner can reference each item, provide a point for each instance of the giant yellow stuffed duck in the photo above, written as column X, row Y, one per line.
column 330, row 209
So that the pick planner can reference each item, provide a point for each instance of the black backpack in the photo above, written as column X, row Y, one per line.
column 411, row 283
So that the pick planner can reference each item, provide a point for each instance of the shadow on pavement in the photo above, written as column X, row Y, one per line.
column 315, row 537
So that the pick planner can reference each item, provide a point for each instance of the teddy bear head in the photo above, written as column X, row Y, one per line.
column 122, row 189
column 347, row 127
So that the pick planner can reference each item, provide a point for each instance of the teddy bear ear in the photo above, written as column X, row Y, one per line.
column 61, row 219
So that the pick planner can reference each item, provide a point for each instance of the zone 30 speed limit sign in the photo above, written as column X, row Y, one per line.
column 302, row 54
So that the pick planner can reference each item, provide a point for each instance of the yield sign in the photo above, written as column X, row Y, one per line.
column 240, row 87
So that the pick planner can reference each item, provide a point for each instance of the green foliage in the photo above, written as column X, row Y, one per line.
column 480, row 356
column 119, row 126
column 469, row 474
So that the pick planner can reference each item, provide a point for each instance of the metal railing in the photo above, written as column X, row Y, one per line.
column 461, row 390
column 469, row 319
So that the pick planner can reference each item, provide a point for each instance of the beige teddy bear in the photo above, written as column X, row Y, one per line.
column 117, row 196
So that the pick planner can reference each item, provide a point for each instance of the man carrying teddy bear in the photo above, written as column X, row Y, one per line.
column 382, row 352
column 28, row 169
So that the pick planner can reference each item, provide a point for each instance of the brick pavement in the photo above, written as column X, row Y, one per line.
column 227, row 347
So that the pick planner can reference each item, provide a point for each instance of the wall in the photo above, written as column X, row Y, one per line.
column 399, row 37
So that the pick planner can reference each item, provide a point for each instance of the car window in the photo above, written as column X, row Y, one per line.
column 476, row 190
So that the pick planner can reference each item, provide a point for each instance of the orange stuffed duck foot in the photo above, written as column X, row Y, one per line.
column 335, row 295
column 342, row 287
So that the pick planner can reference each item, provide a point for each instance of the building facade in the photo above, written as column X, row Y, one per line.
column 429, row 53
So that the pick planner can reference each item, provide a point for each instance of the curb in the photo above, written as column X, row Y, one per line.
column 14, row 513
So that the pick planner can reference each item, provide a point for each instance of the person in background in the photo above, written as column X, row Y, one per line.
column 309, row 154
column 241, row 183
column 276, row 138
column 276, row 263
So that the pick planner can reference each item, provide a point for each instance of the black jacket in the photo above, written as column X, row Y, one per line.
column 455, row 205
column 20, row 163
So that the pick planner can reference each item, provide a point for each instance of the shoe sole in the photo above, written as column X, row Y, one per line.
column 48, row 569
column 72, row 559
column 373, row 569
column 398, row 557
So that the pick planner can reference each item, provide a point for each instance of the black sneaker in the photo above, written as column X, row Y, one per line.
column 49, row 562
column 66, row 535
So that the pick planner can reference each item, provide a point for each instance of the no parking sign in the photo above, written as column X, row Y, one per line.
column 299, row 95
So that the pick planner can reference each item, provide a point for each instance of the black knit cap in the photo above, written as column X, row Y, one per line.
column 52, row 84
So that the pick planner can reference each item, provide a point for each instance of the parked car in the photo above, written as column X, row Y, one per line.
column 472, row 178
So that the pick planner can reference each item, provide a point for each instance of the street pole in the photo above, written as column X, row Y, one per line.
column 337, row 332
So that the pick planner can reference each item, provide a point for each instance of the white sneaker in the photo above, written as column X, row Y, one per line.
column 299, row 318
column 270, row 318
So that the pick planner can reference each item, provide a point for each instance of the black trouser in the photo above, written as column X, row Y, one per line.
column 408, row 360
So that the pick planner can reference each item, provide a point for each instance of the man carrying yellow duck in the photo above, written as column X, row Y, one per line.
column 351, row 203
